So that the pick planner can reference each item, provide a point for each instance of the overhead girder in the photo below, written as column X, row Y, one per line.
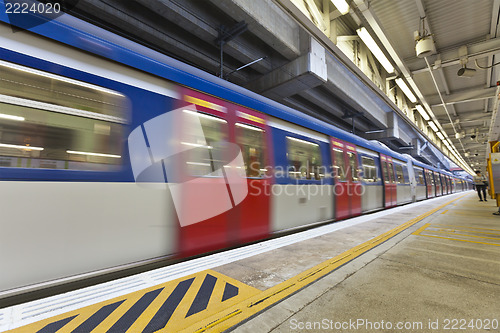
column 205, row 27
column 266, row 20
column 463, row 96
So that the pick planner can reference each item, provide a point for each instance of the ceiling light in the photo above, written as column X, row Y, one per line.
column 440, row 135
column 342, row 6
column 301, row 141
column 377, row 52
column 11, row 117
column 249, row 127
column 5, row 145
column 433, row 126
column 202, row 115
column 406, row 90
column 92, row 154
column 422, row 112
column 425, row 46
column 59, row 78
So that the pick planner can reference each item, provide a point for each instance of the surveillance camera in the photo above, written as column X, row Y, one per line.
column 476, row 154
column 473, row 136
column 466, row 72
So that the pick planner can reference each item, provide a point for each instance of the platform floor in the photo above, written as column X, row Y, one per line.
column 431, row 266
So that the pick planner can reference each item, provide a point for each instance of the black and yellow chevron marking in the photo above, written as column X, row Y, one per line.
column 168, row 307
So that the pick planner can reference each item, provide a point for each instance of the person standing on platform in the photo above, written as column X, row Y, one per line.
column 481, row 184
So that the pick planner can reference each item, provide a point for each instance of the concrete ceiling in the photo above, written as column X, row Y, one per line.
column 306, row 70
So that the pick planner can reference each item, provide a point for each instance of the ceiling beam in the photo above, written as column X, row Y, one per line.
column 462, row 96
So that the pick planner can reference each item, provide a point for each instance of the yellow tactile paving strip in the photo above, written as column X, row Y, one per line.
column 167, row 307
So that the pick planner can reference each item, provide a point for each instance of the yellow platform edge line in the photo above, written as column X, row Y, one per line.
column 422, row 228
column 465, row 235
column 460, row 240
column 466, row 230
column 463, row 226
column 250, row 307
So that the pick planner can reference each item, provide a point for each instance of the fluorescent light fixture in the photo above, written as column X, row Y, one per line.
column 92, row 154
column 196, row 145
column 377, row 52
column 302, row 141
column 441, row 136
column 59, row 78
column 202, row 115
column 4, row 145
column 253, row 128
column 11, row 117
column 199, row 163
column 433, row 126
column 422, row 112
column 342, row 6
column 406, row 90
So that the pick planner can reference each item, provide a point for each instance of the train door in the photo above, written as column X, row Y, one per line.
column 392, row 175
column 223, row 154
column 354, row 181
column 347, row 187
column 429, row 181
column 389, row 181
column 437, row 180
column 253, row 213
column 202, row 201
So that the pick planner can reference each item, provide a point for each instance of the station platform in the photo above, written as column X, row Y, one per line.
column 430, row 266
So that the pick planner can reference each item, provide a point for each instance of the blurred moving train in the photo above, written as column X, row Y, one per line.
column 82, row 113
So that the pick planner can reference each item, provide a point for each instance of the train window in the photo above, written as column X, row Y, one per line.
column 22, row 84
column 400, row 179
column 405, row 174
column 51, row 122
column 369, row 170
column 338, row 165
column 251, row 141
column 353, row 166
column 431, row 178
column 391, row 172
column 206, row 158
column 419, row 177
column 386, row 173
column 304, row 158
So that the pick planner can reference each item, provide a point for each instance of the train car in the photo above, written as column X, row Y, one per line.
column 113, row 155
